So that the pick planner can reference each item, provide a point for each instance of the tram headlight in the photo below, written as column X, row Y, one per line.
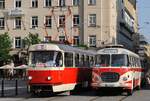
column 49, row 78
column 30, row 78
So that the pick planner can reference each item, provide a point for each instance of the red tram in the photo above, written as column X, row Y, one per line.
column 57, row 67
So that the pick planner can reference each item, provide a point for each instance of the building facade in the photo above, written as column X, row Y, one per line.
column 91, row 22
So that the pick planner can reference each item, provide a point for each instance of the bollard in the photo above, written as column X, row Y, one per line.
column 16, row 87
column 2, row 93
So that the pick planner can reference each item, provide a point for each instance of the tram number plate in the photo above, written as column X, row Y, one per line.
column 109, row 85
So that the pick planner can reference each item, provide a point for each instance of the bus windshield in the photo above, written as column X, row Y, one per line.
column 103, row 60
column 113, row 60
column 46, row 58
column 118, row 60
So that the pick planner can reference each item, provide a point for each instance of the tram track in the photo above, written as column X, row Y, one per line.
column 121, row 99
column 45, row 99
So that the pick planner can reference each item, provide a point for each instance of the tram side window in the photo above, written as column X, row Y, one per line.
column 82, row 61
column 77, row 60
column 59, row 60
column 91, row 61
column 69, row 59
column 87, row 61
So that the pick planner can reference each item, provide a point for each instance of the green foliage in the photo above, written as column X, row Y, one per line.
column 31, row 39
column 83, row 46
column 5, row 46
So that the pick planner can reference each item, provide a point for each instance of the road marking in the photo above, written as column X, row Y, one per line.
column 123, row 98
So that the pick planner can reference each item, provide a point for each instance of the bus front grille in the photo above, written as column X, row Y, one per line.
column 110, row 77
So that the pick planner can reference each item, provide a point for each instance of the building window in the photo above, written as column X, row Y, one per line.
column 92, row 41
column 122, row 13
column 76, row 40
column 48, row 21
column 34, row 3
column 75, row 2
column 62, row 21
column 34, row 21
column 48, row 3
column 17, row 3
column 18, row 23
column 2, row 4
column 62, row 39
column 17, row 42
column 61, row 3
column 75, row 20
column 2, row 23
column 92, row 2
column 92, row 20
column 128, row 19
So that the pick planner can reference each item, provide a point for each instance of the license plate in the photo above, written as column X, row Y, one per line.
column 109, row 85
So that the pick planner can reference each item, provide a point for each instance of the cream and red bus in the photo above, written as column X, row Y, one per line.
column 117, row 67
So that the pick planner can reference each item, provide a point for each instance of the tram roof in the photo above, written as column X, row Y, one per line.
column 59, row 47
column 116, row 51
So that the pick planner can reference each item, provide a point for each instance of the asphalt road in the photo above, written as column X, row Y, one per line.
column 88, row 95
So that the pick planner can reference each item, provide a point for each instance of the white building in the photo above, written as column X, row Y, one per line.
column 91, row 22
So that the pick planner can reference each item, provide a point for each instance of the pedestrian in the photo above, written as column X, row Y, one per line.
column 11, row 70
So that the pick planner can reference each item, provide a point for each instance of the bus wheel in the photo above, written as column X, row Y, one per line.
column 139, row 85
column 129, row 92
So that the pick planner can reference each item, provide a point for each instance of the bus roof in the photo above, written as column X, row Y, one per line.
column 116, row 51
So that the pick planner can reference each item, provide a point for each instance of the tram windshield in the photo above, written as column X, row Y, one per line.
column 46, row 58
column 113, row 60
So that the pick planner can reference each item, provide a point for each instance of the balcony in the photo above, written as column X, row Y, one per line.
column 141, row 52
column 126, row 26
column 15, row 13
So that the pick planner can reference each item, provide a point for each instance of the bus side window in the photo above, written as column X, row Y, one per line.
column 133, row 61
column 82, row 61
column 127, row 60
column 68, row 59
column 130, row 61
column 139, row 63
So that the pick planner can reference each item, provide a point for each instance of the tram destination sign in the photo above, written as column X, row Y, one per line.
column 110, row 51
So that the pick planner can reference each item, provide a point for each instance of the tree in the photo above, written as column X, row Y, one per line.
column 5, row 47
column 31, row 39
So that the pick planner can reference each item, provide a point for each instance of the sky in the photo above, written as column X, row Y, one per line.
column 143, row 9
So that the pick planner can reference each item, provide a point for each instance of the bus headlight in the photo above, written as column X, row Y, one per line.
column 125, row 78
column 30, row 78
column 49, row 78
